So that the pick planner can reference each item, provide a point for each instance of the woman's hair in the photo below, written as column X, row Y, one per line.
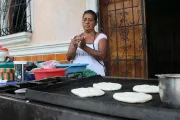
column 92, row 13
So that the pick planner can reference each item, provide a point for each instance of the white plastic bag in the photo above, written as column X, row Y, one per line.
column 51, row 64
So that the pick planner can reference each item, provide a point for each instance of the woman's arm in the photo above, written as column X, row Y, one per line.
column 99, row 54
column 72, row 50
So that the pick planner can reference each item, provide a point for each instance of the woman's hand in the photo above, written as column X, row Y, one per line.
column 75, row 41
column 79, row 41
column 72, row 48
column 82, row 42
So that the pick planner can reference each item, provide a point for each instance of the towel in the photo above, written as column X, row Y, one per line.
column 84, row 74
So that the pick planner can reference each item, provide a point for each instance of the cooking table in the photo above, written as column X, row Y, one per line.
column 57, row 102
column 17, row 109
column 62, row 96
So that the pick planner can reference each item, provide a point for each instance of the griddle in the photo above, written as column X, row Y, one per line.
column 61, row 95
column 8, row 90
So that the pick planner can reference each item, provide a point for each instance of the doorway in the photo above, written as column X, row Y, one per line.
column 163, row 37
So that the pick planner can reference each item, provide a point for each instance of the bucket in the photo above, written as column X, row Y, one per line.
column 72, row 67
column 46, row 73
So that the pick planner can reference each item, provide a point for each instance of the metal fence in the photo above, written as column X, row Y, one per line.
column 15, row 16
column 124, row 23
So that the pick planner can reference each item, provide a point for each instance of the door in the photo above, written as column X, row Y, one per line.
column 123, row 21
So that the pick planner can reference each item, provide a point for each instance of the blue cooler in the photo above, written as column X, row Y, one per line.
column 72, row 67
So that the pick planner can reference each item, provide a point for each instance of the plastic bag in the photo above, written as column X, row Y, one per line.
column 51, row 64
column 30, row 66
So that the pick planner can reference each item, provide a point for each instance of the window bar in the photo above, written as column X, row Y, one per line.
column 143, row 36
column 117, row 55
column 17, row 19
column 125, row 36
column 23, row 17
column 14, row 16
column 133, row 23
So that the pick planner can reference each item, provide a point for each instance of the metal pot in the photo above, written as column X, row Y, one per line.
column 169, row 89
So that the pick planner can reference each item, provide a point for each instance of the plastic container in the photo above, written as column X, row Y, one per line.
column 7, row 65
column 30, row 76
column 7, row 74
column 72, row 67
column 3, row 53
column 45, row 73
column 20, row 71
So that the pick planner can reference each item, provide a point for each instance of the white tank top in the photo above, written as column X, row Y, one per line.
column 84, row 57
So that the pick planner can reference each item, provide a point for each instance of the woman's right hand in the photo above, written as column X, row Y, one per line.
column 76, row 40
column 72, row 48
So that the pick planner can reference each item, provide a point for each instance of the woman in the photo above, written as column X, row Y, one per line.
column 90, row 46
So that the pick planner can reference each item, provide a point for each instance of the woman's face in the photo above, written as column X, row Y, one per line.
column 88, row 22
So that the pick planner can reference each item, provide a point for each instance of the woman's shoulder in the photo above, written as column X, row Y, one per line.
column 102, row 35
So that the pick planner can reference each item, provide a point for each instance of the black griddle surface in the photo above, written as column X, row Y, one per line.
column 8, row 90
column 104, row 104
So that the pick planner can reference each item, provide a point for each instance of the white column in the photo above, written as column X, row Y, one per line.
column 92, row 5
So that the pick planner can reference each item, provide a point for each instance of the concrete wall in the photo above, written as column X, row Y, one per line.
column 56, row 21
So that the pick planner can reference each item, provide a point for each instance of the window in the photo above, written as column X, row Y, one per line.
column 15, row 16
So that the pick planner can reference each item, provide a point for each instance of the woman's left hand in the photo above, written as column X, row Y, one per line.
column 83, row 42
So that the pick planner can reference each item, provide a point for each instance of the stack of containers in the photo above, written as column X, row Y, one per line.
column 6, row 69
column 7, row 74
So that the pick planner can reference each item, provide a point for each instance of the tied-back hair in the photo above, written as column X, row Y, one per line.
column 92, row 13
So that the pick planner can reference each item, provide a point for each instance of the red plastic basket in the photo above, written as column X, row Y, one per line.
column 45, row 73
